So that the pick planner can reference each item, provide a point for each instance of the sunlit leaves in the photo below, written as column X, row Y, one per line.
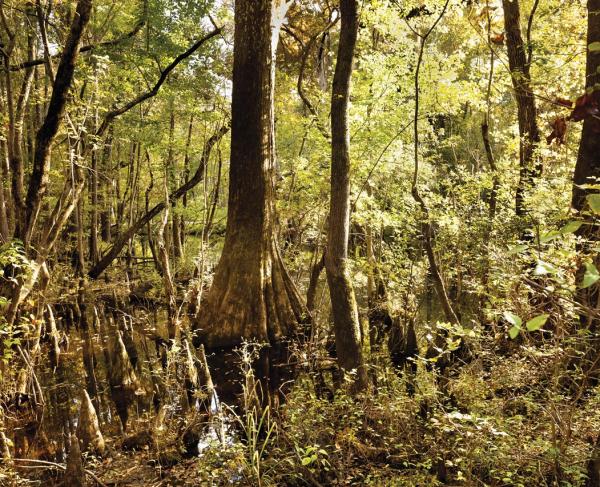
column 514, row 320
column 593, row 201
column 542, row 268
column 590, row 276
column 536, row 323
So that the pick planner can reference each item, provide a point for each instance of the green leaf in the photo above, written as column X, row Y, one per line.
column 542, row 268
column 536, row 323
column 594, row 202
column 591, row 275
column 594, row 46
column 571, row 227
column 514, row 332
column 551, row 235
column 306, row 461
column 513, row 319
column 517, row 249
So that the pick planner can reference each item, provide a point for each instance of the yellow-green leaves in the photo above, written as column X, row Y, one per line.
column 533, row 324
column 514, row 320
column 593, row 201
column 536, row 323
column 542, row 268
column 591, row 275
column 571, row 227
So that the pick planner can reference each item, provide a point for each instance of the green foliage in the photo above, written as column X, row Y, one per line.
column 591, row 275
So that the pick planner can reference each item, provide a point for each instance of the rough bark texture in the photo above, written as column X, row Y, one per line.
column 587, row 168
column 315, row 272
column 530, row 166
column 123, row 380
column 252, row 295
column 343, row 302
column 587, row 171
column 4, row 448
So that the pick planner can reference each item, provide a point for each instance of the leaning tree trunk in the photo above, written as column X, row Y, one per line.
column 47, row 132
column 587, row 171
column 252, row 295
column 346, row 323
column 530, row 165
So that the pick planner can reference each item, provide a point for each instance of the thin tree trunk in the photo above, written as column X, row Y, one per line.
column 346, row 322
column 530, row 164
column 427, row 228
column 105, row 196
column 45, row 136
column 94, row 252
column 315, row 272
column 4, row 197
column 176, row 247
column 163, row 257
column 186, row 176
column 126, row 235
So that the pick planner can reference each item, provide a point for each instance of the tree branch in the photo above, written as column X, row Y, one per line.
column 110, row 116
column 87, row 48
column 124, row 237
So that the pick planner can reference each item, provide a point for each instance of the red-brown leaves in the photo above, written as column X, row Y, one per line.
column 586, row 107
column 498, row 39
column 559, row 131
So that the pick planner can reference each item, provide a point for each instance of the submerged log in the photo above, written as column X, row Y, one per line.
column 88, row 427
column 204, row 378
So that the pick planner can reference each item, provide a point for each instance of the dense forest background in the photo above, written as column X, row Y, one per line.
column 310, row 242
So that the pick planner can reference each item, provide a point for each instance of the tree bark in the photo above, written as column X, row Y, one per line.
column 177, row 250
column 163, row 256
column 94, row 252
column 348, row 339
column 47, row 132
column 252, row 295
column 587, row 168
column 587, row 171
column 530, row 165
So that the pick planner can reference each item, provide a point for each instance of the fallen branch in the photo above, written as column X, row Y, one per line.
column 55, row 465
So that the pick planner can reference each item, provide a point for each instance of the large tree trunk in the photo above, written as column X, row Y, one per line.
column 530, row 165
column 343, row 302
column 587, row 168
column 587, row 171
column 252, row 295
